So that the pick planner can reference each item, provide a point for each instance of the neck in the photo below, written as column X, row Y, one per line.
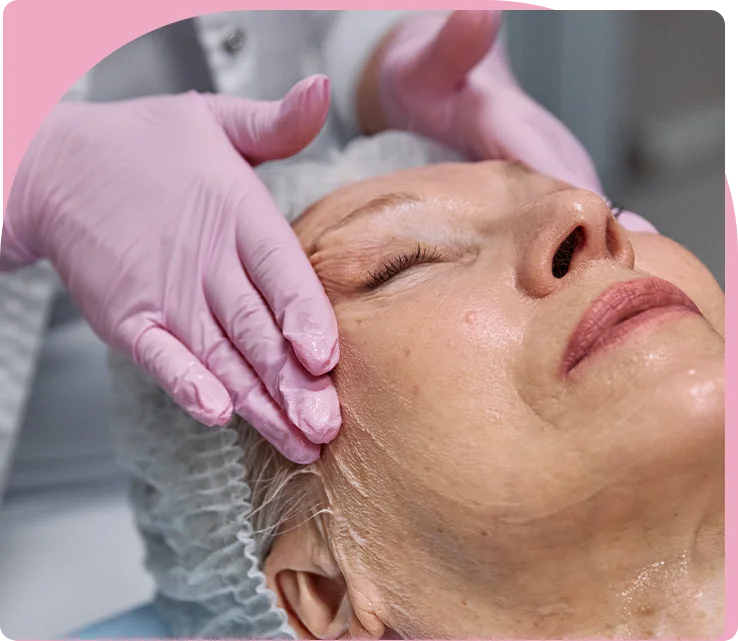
column 659, row 589
column 659, row 576
column 650, row 565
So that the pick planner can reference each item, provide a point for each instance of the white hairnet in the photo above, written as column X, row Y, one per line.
column 297, row 184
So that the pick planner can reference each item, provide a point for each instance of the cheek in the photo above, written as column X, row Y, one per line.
column 662, row 257
column 427, row 394
column 445, row 354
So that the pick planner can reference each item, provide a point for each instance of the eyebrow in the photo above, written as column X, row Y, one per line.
column 513, row 168
column 376, row 206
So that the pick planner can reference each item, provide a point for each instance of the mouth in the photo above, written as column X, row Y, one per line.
column 619, row 311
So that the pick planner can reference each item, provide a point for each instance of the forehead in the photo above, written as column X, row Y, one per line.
column 471, row 181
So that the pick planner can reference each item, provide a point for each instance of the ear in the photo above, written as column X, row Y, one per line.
column 302, row 572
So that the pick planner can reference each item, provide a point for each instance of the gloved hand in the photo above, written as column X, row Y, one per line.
column 444, row 77
column 178, row 256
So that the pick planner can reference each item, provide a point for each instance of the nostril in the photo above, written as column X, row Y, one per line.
column 564, row 254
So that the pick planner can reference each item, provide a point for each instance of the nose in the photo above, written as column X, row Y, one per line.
column 564, row 233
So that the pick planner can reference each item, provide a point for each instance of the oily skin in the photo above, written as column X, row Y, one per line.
column 473, row 491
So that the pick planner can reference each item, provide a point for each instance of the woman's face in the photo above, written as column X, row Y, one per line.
column 472, row 464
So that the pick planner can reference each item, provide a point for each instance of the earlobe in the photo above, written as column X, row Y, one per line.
column 310, row 587
column 365, row 622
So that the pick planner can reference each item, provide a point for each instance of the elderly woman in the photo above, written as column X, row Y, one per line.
column 533, row 407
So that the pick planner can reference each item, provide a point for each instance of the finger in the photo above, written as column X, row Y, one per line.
column 516, row 127
column 278, row 267
column 461, row 44
column 181, row 375
column 263, row 130
column 310, row 402
column 274, row 427
column 254, row 404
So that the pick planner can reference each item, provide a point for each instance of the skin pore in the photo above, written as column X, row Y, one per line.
column 475, row 490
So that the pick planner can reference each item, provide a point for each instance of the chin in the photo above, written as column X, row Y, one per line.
column 687, row 409
column 672, row 421
column 699, row 390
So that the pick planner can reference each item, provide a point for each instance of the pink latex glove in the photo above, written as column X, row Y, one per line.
column 444, row 77
column 178, row 256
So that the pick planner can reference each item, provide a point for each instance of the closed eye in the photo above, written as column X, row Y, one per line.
column 422, row 255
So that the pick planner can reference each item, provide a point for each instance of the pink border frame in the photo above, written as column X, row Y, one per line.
column 53, row 42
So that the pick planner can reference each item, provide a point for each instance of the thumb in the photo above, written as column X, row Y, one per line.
column 460, row 45
column 263, row 131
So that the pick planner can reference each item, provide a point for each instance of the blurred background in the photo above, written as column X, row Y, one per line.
column 644, row 91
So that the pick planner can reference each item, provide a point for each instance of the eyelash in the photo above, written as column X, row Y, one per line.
column 421, row 255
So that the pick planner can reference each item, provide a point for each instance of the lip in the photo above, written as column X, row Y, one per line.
column 618, row 311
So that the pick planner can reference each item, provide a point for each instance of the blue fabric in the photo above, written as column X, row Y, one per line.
column 141, row 623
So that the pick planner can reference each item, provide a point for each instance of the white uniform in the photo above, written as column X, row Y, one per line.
column 257, row 54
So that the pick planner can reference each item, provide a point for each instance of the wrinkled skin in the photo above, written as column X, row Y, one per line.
column 475, row 491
